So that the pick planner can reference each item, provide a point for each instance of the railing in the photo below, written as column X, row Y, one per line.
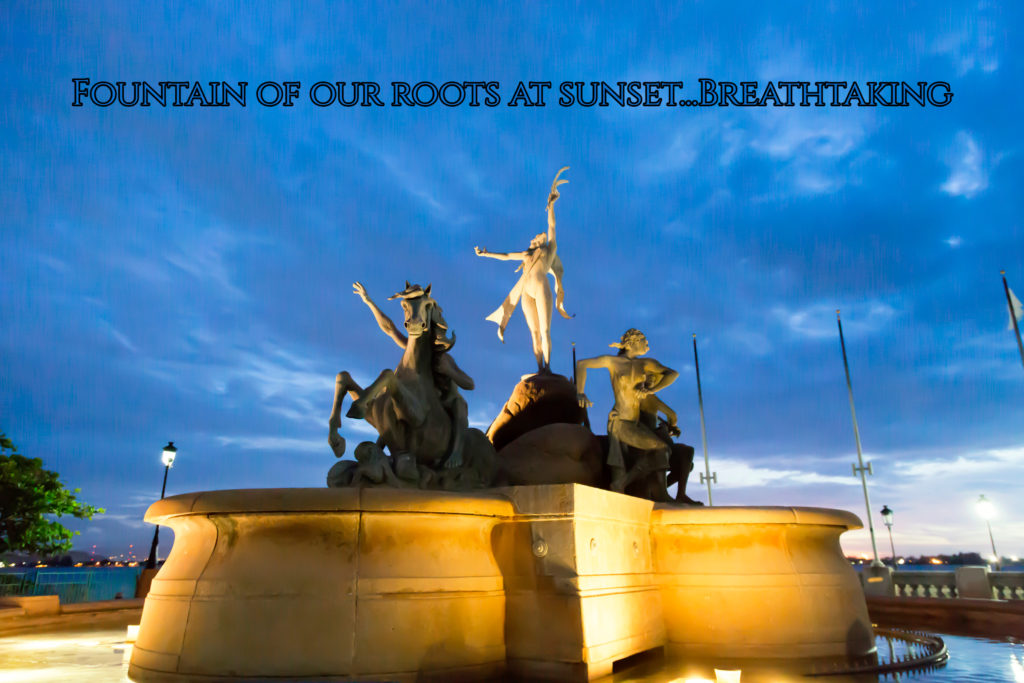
column 973, row 582
column 84, row 584
column 1007, row 585
column 915, row 584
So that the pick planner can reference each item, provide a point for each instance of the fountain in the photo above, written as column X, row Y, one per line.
column 556, row 555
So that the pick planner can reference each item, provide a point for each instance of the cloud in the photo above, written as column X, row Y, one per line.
column 274, row 443
column 741, row 474
column 954, row 241
column 284, row 382
column 204, row 259
column 119, row 337
column 974, row 463
column 971, row 46
column 968, row 175
column 818, row 321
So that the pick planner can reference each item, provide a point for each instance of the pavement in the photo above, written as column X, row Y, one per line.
column 92, row 654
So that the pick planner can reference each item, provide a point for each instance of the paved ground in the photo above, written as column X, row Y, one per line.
column 80, row 656
column 97, row 653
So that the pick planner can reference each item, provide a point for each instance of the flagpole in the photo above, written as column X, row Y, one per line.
column 707, row 475
column 583, row 411
column 859, row 468
column 1013, row 316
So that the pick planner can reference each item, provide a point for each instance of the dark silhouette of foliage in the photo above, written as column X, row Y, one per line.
column 29, row 495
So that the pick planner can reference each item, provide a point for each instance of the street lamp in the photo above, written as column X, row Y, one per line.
column 167, row 458
column 887, row 519
column 987, row 511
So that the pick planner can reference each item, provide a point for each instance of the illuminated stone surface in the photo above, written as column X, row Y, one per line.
column 554, row 581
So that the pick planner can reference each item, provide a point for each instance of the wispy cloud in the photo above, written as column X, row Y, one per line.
column 735, row 473
column 284, row 383
column 968, row 175
column 972, row 45
column 818, row 321
column 205, row 259
column 274, row 443
column 995, row 460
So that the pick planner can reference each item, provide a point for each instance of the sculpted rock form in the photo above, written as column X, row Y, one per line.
column 416, row 408
column 553, row 454
column 538, row 260
column 633, row 421
column 536, row 401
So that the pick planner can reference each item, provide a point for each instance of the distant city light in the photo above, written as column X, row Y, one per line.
column 901, row 561
column 936, row 560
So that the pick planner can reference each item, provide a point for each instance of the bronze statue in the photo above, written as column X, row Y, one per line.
column 634, row 416
column 416, row 408
column 538, row 260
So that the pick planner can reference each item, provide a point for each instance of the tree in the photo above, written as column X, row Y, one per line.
column 28, row 494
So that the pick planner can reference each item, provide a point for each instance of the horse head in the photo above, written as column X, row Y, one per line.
column 423, row 313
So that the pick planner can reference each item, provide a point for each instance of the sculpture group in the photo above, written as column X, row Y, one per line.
column 422, row 419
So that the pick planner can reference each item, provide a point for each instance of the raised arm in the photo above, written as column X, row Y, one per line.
column 581, row 375
column 501, row 256
column 552, row 198
column 386, row 326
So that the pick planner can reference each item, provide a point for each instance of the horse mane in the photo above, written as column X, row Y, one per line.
column 442, row 343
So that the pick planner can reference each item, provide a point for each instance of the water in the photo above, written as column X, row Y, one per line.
column 72, row 584
column 976, row 660
column 971, row 660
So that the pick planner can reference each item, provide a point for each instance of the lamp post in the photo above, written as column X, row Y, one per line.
column 167, row 457
column 987, row 511
column 887, row 519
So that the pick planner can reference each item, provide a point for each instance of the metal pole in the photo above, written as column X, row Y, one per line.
column 151, row 562
column 1013, row 316
column 707, row 476
column 891, row 546
column 992, row 540
column 859, row 468
column 573, row 363
column 583, row 411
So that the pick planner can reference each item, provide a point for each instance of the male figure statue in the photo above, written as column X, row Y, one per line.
column 537, row 261
column 634, row 382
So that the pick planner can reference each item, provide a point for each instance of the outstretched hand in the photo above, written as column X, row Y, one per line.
column 584, row 401
column 357, row 288
column 480, row 251
column 553, row 197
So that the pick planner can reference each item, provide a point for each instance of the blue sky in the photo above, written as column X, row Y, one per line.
column 186, row 274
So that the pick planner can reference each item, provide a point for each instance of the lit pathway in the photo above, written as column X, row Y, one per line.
column 81, row 656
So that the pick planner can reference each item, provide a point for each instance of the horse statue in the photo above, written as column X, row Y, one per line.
column 416, row 409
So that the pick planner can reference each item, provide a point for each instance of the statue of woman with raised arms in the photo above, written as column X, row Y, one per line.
column 540, row 259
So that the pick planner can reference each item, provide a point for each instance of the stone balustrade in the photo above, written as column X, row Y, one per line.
column 962, row 582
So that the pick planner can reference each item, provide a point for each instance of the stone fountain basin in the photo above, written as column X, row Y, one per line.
column 556, row 581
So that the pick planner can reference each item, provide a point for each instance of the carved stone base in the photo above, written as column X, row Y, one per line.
column 536, row 401
column 556, row 581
